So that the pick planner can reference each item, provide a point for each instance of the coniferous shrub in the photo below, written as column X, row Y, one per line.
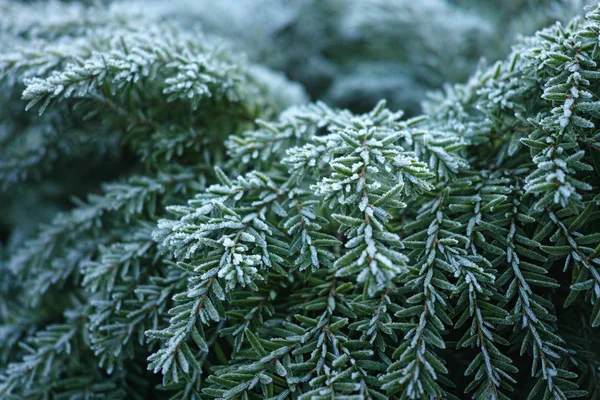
column 228, row 239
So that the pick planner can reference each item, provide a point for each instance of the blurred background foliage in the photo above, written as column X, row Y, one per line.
column 351, row 53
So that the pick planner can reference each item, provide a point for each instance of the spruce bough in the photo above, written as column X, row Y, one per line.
column 251, row 245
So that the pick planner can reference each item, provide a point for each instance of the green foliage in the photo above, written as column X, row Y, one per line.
column 225, row 239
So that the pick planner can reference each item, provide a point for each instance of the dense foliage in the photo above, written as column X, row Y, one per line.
column 209, row 233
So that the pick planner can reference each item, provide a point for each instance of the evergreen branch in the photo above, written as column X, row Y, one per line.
column 418, row 368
